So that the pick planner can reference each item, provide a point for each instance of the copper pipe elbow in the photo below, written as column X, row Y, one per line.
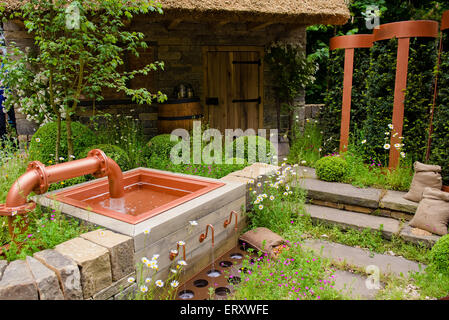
column 228, row 222
column 203, row 236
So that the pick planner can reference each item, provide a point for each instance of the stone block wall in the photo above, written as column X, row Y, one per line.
column 95, row 265
column 181, row 49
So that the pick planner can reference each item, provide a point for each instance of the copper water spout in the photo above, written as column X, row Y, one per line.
column 38, row 178
column 204, row 235
column 174, row 253
column 228, row 222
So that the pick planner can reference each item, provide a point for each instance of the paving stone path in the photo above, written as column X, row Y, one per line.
column 356, row 285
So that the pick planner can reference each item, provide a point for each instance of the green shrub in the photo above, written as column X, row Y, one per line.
column 331, row 168
column 43, row 142
column 251, row 146
column 439, row 255
column 114, row 152
column 159, row 146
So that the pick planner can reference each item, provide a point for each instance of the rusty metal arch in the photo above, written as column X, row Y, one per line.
column 349, row 43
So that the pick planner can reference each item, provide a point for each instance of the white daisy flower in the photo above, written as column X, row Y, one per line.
column 155, row 256
column 386, row 146
column 397, row 145
column 403, row 154
column 148, row 280
column 303, row 162
column 173, row 271
column 181, row 243
column 131, row 279
column 160, row 283
column 364, row 141
column 182, row 263
column 271, row 198
column 174, row 283
column 193, row 223
column 38, row 140
column 390, row 126
column 147, row 231
column 143, row 289
column 145, row 260
column 260, row 207
column 285, row 193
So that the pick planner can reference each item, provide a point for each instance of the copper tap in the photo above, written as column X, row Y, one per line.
column 228, row 222
column 204, row 235
column 175, row 253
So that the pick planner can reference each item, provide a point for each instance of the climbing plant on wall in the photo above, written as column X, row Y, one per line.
column 331, row 115
column 379, row 97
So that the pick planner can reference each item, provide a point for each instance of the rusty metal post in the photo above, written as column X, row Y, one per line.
column 349, row 43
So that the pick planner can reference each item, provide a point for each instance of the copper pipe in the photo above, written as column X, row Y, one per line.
column 174, row 255
column 227, row 222
column 38, row 177
column 204, row 235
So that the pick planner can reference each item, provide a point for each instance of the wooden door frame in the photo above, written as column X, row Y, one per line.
column 259, row 49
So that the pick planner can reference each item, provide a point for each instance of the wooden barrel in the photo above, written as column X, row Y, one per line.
column 178, row 114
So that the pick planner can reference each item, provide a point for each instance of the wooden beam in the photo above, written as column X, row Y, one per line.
column 222, row 23
column 258, row 26
column 173, row 24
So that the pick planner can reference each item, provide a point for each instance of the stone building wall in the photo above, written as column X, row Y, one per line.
column 181, row 51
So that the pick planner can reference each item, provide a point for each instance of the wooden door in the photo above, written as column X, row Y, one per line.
column 233, row 93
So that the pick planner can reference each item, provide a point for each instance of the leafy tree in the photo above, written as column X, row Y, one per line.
column 80, row 49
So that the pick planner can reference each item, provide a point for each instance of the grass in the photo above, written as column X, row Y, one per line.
column 306, row 148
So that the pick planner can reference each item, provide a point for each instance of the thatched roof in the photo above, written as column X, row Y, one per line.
column 306, row 12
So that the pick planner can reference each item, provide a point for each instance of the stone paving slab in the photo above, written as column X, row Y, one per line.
column 67, row 271
column 354, row 220
column 354, row 285
column 17, row 282
column 409, row 234
column 394, row 200
column 341, row 193
column 363, row 258
column 46, row 280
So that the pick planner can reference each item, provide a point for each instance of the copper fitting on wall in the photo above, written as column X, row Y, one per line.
column 175, row 253
column 228, row 222
column 204, row 235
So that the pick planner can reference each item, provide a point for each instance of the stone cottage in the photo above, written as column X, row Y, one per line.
column 216, row 48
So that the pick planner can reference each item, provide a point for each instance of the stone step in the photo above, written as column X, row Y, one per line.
column 348, row 197
column 360, row 221
column 355, row 286
column 362, row 258
column 354, row 220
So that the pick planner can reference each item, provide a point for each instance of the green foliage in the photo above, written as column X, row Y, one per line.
column 45, row 231
column 331, row 168
column 439, row 255
column 249, row 147
column 122, row 131
column 160, row 146
column 440, row 136
column 213, row 170
column 81, row 50
column 296, row 274
column 274, row 203
column 306, row 146
column 114, row 152
column 43, row 142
